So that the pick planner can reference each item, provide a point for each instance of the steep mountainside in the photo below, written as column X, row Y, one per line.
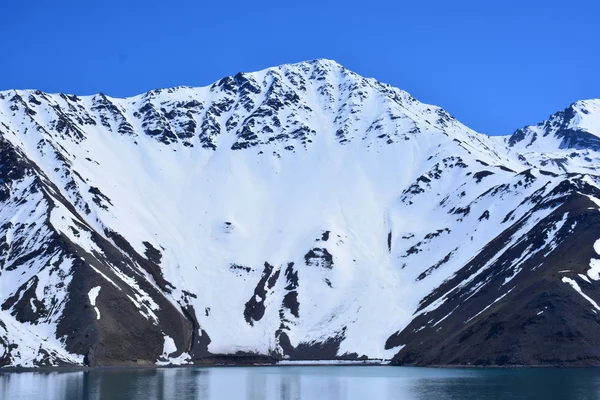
column 301, row 212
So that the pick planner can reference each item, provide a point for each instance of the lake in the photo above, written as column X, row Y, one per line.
column 303, row 383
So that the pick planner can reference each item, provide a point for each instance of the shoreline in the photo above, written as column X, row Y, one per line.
column 299, row 363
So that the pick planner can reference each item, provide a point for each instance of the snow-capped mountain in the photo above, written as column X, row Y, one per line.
column 301, row 212
column 568, row 141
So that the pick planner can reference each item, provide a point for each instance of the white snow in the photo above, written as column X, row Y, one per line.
column 93, row 295
column 594, row 271
column 587, row 116
column 575, row 286
column 597, row 246
column 169, row 346
column 594, row 200
column 585, row 278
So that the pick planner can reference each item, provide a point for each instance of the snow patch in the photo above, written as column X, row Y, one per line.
column 594, row 271
column 169, row 347
column 595, row 200
column 575, row 286
column 93, row 295
column 494, row 302
column 597, row 246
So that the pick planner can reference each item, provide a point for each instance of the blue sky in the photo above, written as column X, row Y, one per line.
column 495, row 65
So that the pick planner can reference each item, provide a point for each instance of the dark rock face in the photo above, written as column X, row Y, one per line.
column 127, row 333
column 514, row 313
column 481, row 174
column 578, row 139
column 319, row 257
column 255, row 307
column 123, row 336
column 327, row 350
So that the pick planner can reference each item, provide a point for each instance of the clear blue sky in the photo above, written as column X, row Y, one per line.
column 494, row 64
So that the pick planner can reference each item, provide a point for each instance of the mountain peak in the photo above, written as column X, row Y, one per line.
column 279, row 110
column 586, row 115
column 586, row 103
column 575, row 127
column 322, row 61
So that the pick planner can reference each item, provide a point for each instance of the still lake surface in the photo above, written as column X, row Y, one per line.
column 303, row 383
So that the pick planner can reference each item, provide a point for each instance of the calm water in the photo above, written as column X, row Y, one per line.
column 304, row 383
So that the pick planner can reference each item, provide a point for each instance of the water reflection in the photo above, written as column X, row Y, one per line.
column 303, row 383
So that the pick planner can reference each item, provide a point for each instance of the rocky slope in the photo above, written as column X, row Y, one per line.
column 302, row 212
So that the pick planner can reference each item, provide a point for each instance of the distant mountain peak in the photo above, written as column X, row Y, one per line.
column 586, row 115
column 576, row 127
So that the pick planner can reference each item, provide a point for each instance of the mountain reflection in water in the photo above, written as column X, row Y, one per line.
column 303, row 383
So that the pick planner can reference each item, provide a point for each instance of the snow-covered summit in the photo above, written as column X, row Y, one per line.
column 587, row 116
column 571, row 128
column 569, row 140
column 286, row 108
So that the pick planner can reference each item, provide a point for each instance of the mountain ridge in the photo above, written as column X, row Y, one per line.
column 318, row 61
